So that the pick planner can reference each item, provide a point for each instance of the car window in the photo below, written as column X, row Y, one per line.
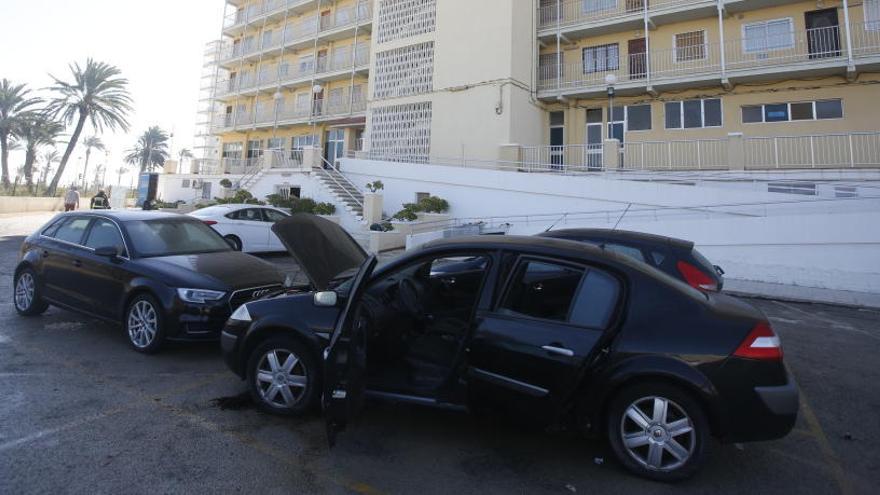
column 50, row 230
column 250, row 215
column 542, row 290
column 273, row 215
column 632, row 252
column 704, row 262
column 73, row 230
column 658, row 257
column 173, row 236
column 596, row 300
column 104, row 233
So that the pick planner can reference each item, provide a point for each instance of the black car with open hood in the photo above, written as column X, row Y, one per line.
column 553, row 330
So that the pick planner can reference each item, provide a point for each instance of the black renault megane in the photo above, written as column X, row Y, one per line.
column 164, row 276
column 555, row 330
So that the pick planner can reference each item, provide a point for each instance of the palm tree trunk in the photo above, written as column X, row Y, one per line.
column 4, row 158
column 30, row 157
column 86, row 170
column 67, row 152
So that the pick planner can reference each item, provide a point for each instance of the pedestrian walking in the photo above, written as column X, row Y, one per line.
column 71, row 199
column 100, row 201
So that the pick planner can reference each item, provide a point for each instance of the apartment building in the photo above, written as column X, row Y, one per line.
column 291, row 74
column 775, row 73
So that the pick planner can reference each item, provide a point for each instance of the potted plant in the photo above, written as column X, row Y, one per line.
column 373, row 202
column 433, row 209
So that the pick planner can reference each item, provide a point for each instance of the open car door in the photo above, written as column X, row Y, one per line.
column 346, row 359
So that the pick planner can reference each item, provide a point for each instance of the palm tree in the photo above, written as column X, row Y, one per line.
column 151, row 150
column 99, row 95
column 119, row 173
column 49, row 157
column 90, row 143
column 184, row 154
column 36, row 130
column 14, row 101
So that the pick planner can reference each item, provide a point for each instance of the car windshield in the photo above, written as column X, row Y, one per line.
column 173, row 236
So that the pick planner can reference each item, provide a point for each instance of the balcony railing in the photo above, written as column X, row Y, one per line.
column 574, row 12
column 267, row 114
column 282, row 74
column 257, row 11
column 305, row 29
column 797, row 49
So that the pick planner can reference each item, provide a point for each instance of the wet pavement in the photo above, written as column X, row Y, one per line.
column 82, row 413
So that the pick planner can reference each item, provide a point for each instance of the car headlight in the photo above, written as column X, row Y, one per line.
column 241, row 314
column 199, row 296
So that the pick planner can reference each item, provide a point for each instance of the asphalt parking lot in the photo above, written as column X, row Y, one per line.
column 82, row 413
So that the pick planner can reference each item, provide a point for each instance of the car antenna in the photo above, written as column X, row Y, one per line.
column 622, row 215
column 557, row 221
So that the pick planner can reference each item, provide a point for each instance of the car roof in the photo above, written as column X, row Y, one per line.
column 125, row 215
column 619, row 235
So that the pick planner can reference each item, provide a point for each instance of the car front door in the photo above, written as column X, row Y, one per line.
column 248, row 224
column 530, row 351
column 104, row 276
column 345, row 359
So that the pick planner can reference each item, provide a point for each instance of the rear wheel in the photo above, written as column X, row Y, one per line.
column 658, row 431
column 26, row 294
column 283, row 377
column 234, row 241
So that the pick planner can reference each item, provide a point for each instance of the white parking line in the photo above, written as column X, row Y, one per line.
column 49, row 431
column 834, row 324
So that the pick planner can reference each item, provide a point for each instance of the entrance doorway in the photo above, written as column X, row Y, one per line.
column 594, row 139
column 638, row 58
column 334, row 146
column 823, row 33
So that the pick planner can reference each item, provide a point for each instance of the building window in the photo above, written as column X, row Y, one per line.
column 872, row 15
column 405, row 18
column 275, row 144
column 765, row 36
column 601, row 58
column 255, row 148
column 288, row 192
column 793, row 112
column 232, row 150
column 690, row 46
column 693, row 114
column 185, row 184
column 638, row 118
column 404, row 71
column 422, row 195
column 402, row 132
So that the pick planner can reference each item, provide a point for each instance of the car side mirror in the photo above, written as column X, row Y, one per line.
column 326, row 299
column 107, row 251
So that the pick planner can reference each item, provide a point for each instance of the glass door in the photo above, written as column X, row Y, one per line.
column 334, row 146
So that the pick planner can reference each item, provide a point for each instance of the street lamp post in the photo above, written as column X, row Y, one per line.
column 610, row 81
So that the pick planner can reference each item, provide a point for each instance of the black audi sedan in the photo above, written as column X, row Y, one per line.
column 163, row 276
column 677, row 258
column 557, row 331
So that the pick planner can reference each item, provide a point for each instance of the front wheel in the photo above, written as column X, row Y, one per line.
column 144, row 324
column 658, row 431
column 27, row 294
column 283, row 377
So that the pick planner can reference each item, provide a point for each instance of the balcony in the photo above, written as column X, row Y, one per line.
column 267, row 10
column 338, row 105
column 814, row 52
column 340, row 64
column 342, row 24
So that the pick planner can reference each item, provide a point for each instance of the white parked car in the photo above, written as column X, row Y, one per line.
column 247, row 227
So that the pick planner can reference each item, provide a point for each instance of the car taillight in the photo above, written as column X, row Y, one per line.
column 209, row 222
column 695, row 277
column 761, row 343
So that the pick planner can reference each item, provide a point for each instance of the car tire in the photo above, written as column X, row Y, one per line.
column 234, row 241
column 279, row 386
column 669, row 446
column 26, row 294
column 144, row 324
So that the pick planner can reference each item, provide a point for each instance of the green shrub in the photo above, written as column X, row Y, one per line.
column 226, row 183
column 406, row 215
column 324, row 209
column 433, row 204
column 375, row 186
column 240, row 197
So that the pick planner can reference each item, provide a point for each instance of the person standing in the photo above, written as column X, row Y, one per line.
column 100, row 201
column 71, row 199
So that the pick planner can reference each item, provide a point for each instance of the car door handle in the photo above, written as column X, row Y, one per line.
column 77, row 263
column 562, row 351
column 45, row 254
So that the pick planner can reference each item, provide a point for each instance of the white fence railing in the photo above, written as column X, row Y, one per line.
column 817, row 151
column 567, row 158
column 699, row 154
column 570, row 12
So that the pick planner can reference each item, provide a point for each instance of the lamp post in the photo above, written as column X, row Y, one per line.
column 610, row 81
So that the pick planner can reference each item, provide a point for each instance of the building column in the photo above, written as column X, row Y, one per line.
column 722, row 45
column 850, row 65
column 611, row 154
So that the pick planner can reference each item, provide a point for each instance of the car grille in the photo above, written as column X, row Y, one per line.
column 242, row 296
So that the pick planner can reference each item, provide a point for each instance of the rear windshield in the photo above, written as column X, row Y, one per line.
column 705, row 263
column 173, row 236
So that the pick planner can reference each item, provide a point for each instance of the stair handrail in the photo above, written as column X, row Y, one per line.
column 341, row 186
column 250, row 173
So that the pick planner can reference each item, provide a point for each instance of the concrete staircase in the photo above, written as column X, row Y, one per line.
column 345, row 192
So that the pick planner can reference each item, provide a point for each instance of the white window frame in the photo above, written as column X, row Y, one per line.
column 872, row 15
column 626, row 117
column 745, row 40
column 675, row 47
column 702, row 115
column 789, row 104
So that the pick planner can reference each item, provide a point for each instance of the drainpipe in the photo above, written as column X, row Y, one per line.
column 723, row 45
column 277, row 96
column 647, row 49
column 559, row 46
column 354, row 47
column 849, row 54
column 315, row 69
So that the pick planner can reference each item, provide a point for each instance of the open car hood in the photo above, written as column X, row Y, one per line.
column 322, row 248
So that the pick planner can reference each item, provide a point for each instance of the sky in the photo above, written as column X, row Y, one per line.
column 157, row 44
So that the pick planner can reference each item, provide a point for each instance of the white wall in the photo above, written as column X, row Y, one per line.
column 768, row 237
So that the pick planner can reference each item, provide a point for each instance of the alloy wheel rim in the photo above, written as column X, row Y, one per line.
column 24, row 291
column 142, row 324
column 657, row 433
column 281, row 378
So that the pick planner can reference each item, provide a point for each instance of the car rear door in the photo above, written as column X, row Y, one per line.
column 249, row 226
column 345, row 359
column 532, row 348
column 271, row 217
column 62, row 263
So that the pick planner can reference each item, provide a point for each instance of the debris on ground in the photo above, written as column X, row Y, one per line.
column 233, row 403
column 571, row 488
